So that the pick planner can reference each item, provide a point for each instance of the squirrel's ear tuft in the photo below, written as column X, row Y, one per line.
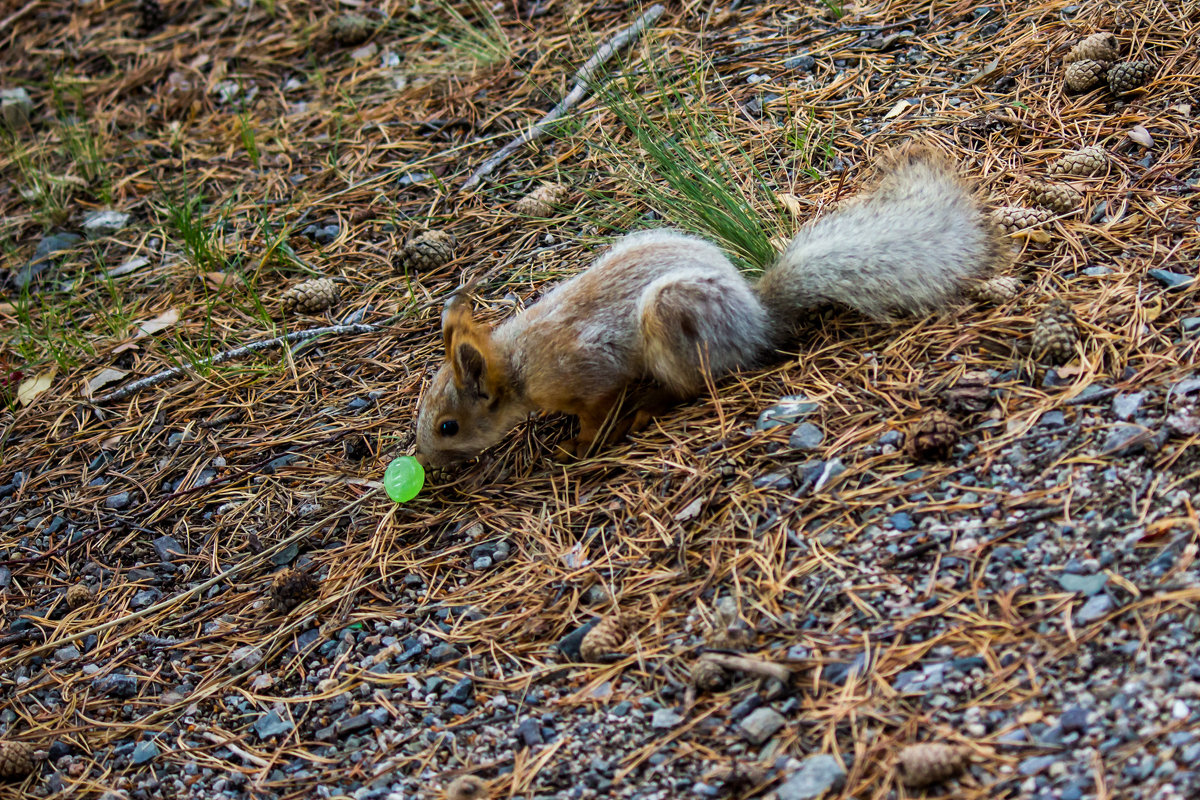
column 470, row 368
column 456, row 319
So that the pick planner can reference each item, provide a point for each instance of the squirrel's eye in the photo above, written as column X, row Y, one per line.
column 448, row 428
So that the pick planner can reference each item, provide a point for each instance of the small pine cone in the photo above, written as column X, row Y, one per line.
column 1086, row 162
column 350, row 29
column 605, row 637
column 428, row 251
column 970, row 395
column 1130, row 75
column 1058, row 197
column 311, row 296
column 708, row 675
column 16, row 759
column 933, row 437
column 1100, row 46
column 1083, row 75
column 998, row 290
column 1055, row 334
column 1016, row 218
column 292, row 587
column 467, row 787
column 79, row 595
column 924, row 764
column 152, row 15
column 541, row 201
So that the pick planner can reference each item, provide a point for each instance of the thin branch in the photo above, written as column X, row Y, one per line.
column 229, row 355
column 582, row 80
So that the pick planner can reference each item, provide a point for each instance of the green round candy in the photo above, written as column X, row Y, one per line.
column 403, row 479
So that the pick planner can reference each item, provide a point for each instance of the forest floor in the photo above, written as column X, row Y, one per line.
column 1031, row 601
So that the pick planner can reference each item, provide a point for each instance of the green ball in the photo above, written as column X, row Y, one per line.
column 403, row 479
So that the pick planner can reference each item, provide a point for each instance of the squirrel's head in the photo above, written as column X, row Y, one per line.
column 469, row 406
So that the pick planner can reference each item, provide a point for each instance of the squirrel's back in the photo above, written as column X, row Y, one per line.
column 910, row 244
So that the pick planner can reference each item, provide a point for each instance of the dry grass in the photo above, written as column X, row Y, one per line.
column 383, row 149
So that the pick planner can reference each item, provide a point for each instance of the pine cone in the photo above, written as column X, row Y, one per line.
column 1055, row 334
column 541, row 201
column 923, row 764
column 708, row 675
column 1100, row 46
column 350, row 29
column 972, row 393
column 292, row 587
column 16, row 759
column 152, row 15
column 311, row 296
column 933, row 437
column 428, row 251
column 1083, row 75
column 1130, row 75
column 998, row 290
column 1016, row 218
column 1086, row 162
column 466, row 787
column 79, row 595
column 1058, row 197
column 605, row 637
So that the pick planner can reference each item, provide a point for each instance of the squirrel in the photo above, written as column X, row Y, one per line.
column 670, row 309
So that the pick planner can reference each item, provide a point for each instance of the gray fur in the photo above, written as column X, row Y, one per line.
column 910, row 246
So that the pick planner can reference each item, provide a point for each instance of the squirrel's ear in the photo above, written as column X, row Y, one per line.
column 456, row 319
column 470, row 368
column 468, row 349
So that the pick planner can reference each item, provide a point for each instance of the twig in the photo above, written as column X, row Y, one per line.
column 582, row 79
column 751, row 665
column 229, row 355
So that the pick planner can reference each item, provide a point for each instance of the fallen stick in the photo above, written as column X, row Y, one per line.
column 582, row 78
column 229, row 355
column 752, row 665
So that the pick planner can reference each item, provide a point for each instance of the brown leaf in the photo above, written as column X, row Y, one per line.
column 103, row 378
column 1140, row 135
column 219, row 280
column 152, row 326
column 30, row 388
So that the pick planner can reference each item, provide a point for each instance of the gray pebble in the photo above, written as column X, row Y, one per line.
column 788, row 410
column 761, row 725
column 806, row 437
column 117, row 501
column 817, row 776
column 1171, row 280
column 271, row 724
column 1095, row 608
column 165, row 547
column 665, row 718
column 1126, row 405
column 1085, row 584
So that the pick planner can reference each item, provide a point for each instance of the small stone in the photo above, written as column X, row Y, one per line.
column 364, row 53
column 530, row 732
column 1074, row 720
column 1095, row 608
column 105, row 222
column 1087, row 585
column 1171, row 280
column 167, row 548
column 761, row 725
column 246, row 658
column 144, row 752
column 806, row 437
column 817, row 775
column 271, row 724
column 117, row 685
column 350, row 29
column 1126, row 405
column 441, row 653
column 145, row 598
column 1124, row 439
column 117, row 501
column 665, row 718
column 460, row 692
column 788, row 410
column 1035, row 764
column 901, row 521
column 68, row 653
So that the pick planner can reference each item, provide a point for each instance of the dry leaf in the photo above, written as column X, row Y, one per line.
column 898, row 109
column 112, row 442
column 1141, row 136
column 130, row 265
column 30, row 388
column 690, row 511
column 791, row 203
column 1029, row 717
column 219, row 280
column 8, row 309
column 103, row 378
column 121, row 348
column 152, row 326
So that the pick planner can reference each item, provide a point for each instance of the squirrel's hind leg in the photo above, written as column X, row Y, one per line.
column 698, row 322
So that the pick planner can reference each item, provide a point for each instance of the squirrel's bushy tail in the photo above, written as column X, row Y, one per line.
column 909, row 245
